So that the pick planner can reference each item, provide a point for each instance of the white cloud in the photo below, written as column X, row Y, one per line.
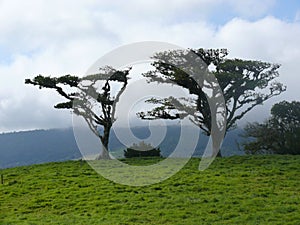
column 60, row 37
column 252, row 8
column 266, row 39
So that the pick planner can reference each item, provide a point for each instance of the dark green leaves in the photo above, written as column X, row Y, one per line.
column 279, row 134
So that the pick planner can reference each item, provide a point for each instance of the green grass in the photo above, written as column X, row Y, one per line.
column 235, row 190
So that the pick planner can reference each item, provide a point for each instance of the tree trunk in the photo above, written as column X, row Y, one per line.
column 103, row 155
column 104, row 139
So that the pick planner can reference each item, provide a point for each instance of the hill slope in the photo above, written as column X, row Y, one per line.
column 40, row 146
column 234, row 190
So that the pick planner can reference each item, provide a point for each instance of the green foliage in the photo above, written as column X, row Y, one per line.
column 279, row 134
column 244, row 83
column 141, row 150
column 86, row 96
column 287, row 114
column 234, row 190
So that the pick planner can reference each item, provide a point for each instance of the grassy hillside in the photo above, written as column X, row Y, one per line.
column 235, row 190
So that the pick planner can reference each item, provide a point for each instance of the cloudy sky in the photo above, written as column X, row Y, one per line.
column 62, row 37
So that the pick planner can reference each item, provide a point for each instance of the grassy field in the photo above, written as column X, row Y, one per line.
column 235, row 190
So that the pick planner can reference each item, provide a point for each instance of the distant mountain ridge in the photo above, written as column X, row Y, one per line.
column 40, row 146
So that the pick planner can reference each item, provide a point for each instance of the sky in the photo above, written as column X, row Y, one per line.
column 66, row 37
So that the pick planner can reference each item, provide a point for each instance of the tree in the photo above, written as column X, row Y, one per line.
column 279, row 134
column 142, row 150
column 87, row 97
column 244, row 83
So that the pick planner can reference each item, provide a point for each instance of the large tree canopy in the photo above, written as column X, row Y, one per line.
column 279, row 134
column 244, row 83
column 96, row 105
